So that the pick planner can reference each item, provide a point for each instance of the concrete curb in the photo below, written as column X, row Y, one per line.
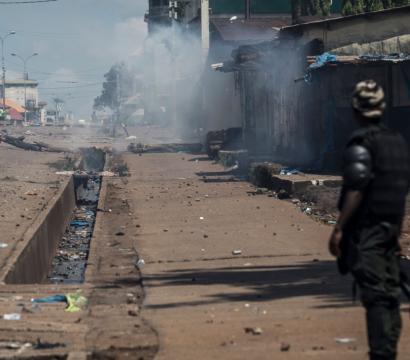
column 31, row 259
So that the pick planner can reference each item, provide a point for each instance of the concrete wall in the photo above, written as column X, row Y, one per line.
column 32, row 260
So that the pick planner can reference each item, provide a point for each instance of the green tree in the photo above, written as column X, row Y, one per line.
column 310, row 7
column 353, row 7
column 119, row 84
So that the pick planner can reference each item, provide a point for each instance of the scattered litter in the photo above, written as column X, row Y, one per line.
column 107, row 174
column 14, row 345
column 288, row 172
column 331, row 222
column 247, row 264
column 344, row 340
column 12, row 317
column 3, row 245
column 140, row 263
column 31, row 193
column 131, row 138
column 76, row 302
column 201, row 218
column 253, row 331
column 79, row 223
column 120, row 233
column 40, row 345
column 237, row 252
column 247, row 305
column 50, row 299
column 284, row 347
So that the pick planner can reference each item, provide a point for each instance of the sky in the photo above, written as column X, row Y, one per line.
column 77, row 42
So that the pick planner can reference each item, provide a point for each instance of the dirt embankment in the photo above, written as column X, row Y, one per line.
column 321, row 203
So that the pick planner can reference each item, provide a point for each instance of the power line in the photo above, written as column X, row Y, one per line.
column 24, row 2
column 71, row 87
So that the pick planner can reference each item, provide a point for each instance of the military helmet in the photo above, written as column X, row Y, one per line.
column 368, row 99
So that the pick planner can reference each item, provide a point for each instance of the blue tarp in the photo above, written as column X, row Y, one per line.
column 322, row 60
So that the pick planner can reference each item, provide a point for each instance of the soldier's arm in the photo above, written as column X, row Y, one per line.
column 357, row 174
column 352, row 201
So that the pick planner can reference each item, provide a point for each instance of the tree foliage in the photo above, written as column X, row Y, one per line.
column 310, row 7
column 119, row 84
column 353, row 7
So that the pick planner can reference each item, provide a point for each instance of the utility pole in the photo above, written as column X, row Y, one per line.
column 247, row 9
column 205, row 28
column 174, row 16
column 118, row 102
column 3, row 40
column 25, row 79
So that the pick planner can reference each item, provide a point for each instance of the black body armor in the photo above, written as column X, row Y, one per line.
column 385, row 194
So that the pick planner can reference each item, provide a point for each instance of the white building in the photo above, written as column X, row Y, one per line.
column 15, row 90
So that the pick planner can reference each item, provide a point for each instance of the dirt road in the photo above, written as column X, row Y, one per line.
column 227, row 274
column 280, row 297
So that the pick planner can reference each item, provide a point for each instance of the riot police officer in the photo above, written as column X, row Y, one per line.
column 372, row 206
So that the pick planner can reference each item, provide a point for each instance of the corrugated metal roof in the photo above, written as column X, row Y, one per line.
column 13, row 105
column 327, row 22
column 258, row 29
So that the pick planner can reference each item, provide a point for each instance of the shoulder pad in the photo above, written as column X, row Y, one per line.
column 357, row 170
column 357, row 153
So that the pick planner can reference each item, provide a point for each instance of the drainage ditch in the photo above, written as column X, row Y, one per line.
column 69, row 264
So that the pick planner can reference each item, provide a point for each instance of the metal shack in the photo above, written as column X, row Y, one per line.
column 305, row 121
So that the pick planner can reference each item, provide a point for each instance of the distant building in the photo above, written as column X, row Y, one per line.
column 14, row 112
column 157, row 15
column 50, row 118
column 15, row 90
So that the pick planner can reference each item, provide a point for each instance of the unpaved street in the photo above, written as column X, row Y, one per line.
column 185, row 262
column 280, row 298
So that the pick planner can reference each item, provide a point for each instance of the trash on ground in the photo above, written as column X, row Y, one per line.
column 345, row 340
column 76, row 302
column 3, row 245
column 107, row 174
column 12, row 317
column 288, row 172
column 44, row 345
column 14, row 345
column 140, row 263
column 284, row 347
column 237, row 252
column 50, row 299
column 253, row 331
